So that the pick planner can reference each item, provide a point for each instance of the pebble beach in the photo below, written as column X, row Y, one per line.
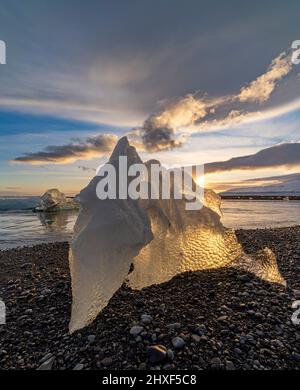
column 215, row 319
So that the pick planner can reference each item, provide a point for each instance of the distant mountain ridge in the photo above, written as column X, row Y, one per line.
column 285, row 154
column 287, row 185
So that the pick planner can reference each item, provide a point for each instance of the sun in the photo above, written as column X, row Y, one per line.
column 200, row 180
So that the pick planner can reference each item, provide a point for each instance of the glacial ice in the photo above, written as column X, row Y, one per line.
column 54, row 200
column 157, row 238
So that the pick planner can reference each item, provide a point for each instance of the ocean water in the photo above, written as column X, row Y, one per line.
column 255, row 214
column 19, row 226
column 18, row 203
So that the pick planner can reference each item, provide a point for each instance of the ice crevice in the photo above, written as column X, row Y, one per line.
column 160, row 238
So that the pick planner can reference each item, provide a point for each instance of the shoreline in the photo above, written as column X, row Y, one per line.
column 33, row 245
column 227, row 319
column 20, row 229
column 260, row 197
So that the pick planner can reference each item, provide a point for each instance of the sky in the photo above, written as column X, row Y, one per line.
column 189, row 82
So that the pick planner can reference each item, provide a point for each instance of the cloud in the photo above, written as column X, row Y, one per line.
column 286, row 154
column 159, row 130
column 72, row 109
column 237, row 117
column 170, row 127
column 65, row 154
column 261, row 89
column 122, row 68
column 232, row 118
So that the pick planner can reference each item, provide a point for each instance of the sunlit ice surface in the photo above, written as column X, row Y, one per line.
column 160, row 238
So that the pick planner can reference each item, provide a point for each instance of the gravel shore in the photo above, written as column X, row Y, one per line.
column 217, row 319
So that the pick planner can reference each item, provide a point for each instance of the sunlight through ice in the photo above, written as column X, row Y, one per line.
column 160, row 238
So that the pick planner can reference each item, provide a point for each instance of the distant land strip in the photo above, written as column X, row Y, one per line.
column 259, row 197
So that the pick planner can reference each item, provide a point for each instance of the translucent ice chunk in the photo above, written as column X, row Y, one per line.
column 159, row 237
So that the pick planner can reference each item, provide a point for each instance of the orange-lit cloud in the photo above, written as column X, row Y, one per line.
column 261, row 89
column 171, row 126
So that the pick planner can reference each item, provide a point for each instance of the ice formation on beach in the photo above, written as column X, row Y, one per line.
column 154, row 239
column 54, row 200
